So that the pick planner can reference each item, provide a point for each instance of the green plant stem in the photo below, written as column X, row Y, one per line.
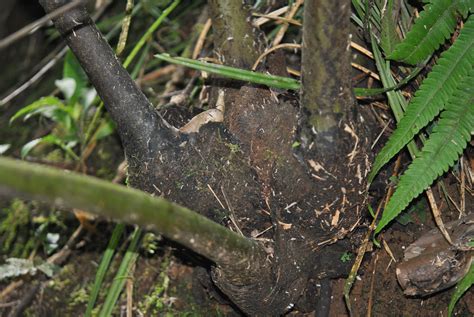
column 178, row 223
column 103, row 267
column 122, row 274
column 149, row 33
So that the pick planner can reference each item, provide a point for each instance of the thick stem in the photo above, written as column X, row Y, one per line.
column 178, row 223
column 234, row 35
column 137, row 121
column 326, row 92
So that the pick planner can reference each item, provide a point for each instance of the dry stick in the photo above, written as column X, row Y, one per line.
column 264, row 18
column 371, row 292
column 32, row 27
column 129, row 289
column 437, row 215
column 284, row 27
column 160, row 72
column 125, row 28
column 365, row 70
column 276, row 18
column 362, row 49
column 274, row 48
column 50, row 64
column 201, row 39
column 463, row 189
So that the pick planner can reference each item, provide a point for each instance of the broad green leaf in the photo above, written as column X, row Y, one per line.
column 28, row 147
column 67, row 87
column 43, row 105
column 72, row 69
column 4, row 148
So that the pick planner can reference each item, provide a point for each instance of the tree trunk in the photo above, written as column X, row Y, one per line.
column 310, row 196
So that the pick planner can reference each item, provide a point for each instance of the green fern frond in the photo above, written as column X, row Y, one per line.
column 435, row 90
column 389, row 37
column 435, row 24
column 441, row 150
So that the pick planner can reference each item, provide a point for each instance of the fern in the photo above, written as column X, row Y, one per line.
column 389, row 37
column 433, row 94
column 441, row 150
column 435, row 24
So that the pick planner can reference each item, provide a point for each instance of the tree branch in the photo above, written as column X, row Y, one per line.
column 175, row 222
column 137, row 121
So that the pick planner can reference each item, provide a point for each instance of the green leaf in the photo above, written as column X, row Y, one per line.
column 42, row 106
column 435, row 24
column 429, row 100
column 389, row 37
column 28, row 147
column 105, row 129
column 103, row 267
column 234, row 73
column 462, row 286
column 49, row 139
column 444, row 146
column 67, row 86
column 72, row 69
column 4, row 148
column 122, row 274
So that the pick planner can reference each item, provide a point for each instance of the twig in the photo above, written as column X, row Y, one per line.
column 202, row 37
column 50, row 64
column 285, row 45
column 32, row 27
column 371, row 292
column 437, row 215
column 281, row 33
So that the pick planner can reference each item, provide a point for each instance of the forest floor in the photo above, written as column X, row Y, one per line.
column 168, row 280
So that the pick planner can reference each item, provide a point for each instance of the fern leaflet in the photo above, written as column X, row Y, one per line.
column 435, row 24
column 441, row 150
column 435, row 90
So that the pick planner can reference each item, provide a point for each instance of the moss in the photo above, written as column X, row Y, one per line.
column 12, row 229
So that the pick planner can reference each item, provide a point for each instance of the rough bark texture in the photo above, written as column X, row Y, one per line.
column 310, row 196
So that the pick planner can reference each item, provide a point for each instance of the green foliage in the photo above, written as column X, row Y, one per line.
column 461, row 288
column 435, row 24
column 448, row 88
column 389, row 37
column 69, row 115
column 431, row 97
column 17, row 217
column 234, row 73
column 441, row 150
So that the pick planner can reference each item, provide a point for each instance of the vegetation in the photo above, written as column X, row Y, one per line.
column 267, row 175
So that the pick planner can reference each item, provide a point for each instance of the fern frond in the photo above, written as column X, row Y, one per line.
column 435, row 24
column 441, row 150
column 389, row 37
column 454, row 65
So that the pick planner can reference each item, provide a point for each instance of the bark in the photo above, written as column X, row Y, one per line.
column 327, row 92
